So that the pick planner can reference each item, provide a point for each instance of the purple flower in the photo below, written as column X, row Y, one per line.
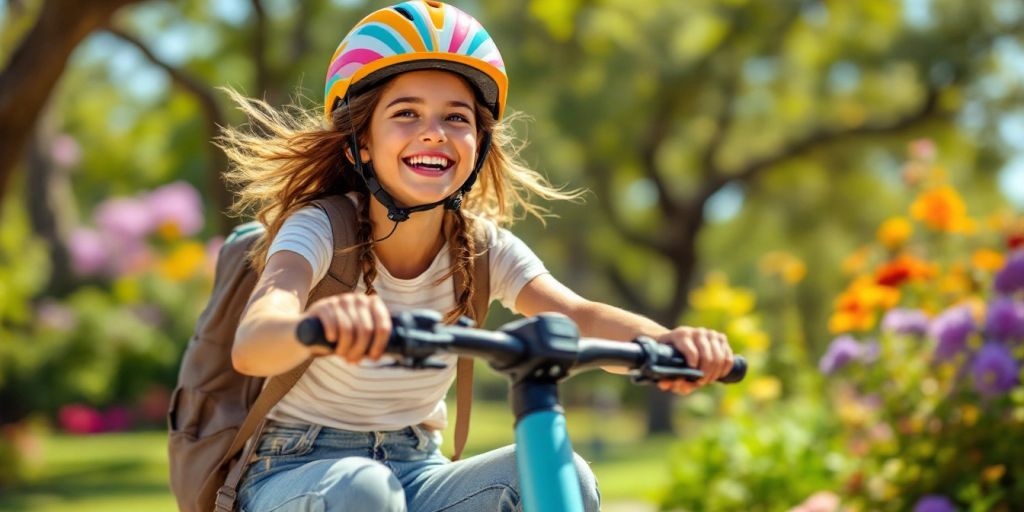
column 951, row 329
column 994, row 369
column 934, row 503
column 177, row 204
column 905, row 321
column 841, row 352
column 1011, row 277
column 1005, row 319
column 125, row 220
column 89, row 252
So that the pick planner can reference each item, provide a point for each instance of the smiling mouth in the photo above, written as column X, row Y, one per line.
column 429, row 165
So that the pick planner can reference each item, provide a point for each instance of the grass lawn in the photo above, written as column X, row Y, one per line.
column 127, row 472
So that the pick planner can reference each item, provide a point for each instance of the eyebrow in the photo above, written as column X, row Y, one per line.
column 413, row 99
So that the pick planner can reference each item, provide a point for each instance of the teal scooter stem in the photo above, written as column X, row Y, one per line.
column 544, row 453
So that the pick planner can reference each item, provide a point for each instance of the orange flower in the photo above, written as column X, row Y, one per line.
column 894, row 232
column 904, row 268
column 987, row 260
column 857, row 261
column 856, row 307
column 941, row 209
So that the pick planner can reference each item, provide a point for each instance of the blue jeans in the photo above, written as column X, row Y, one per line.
column 314, row 468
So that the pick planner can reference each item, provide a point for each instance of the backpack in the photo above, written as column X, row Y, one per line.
column 215, row 410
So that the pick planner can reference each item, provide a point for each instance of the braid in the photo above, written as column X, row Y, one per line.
column 463, row 265
column 365, row 240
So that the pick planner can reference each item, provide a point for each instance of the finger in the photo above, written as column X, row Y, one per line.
column 684, row 342
column 344, row 323
column 362, row 327
column 707, row 362
column 682, row 386
column 718, row 356
column 381, row 327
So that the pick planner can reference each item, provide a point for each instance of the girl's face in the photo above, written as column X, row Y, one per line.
column 422, row 139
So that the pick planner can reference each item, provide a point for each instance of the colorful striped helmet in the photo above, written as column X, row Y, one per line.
column 416, row 35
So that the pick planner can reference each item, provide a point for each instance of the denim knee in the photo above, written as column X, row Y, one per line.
column 358, row 484
column 588, row 484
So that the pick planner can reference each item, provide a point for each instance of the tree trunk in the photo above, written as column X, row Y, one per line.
column 36, row 65
column 51, row 213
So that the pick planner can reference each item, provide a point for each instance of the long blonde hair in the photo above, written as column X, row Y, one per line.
column 284, row 160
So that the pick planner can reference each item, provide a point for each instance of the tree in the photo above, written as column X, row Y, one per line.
column 686, row 99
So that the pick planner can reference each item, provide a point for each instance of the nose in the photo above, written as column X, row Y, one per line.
column 433, row 131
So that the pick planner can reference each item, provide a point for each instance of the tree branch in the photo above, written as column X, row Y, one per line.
column 214, row 119
column 603, row 185
column 35, row 66
column 750, row 171
column 259, row 50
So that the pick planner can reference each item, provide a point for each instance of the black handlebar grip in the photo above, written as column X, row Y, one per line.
column 310, row 332
column 738, row 371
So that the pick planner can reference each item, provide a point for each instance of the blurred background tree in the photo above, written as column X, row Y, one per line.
column 713, row 133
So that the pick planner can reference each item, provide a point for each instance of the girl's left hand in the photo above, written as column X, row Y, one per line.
column 704, row 349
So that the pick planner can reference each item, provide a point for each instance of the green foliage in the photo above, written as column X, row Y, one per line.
column 770, row 460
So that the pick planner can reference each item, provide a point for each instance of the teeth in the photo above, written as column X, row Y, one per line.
column 429, row 160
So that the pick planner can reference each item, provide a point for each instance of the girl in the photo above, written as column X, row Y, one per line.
column 413, row 136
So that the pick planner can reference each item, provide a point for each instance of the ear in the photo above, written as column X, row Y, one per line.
column 364, row 154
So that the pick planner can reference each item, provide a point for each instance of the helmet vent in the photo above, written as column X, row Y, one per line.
column 404, row 12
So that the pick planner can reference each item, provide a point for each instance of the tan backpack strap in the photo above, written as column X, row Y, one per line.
column 343, row 271
column 276, row 388
column 464, row 368
column 341, row 277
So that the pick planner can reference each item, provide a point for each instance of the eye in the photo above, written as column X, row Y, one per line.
column 404, row 113
column 458, row 118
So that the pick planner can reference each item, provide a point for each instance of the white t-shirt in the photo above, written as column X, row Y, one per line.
column 370, row 395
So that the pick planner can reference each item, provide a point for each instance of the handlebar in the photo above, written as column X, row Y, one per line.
column 545, row 346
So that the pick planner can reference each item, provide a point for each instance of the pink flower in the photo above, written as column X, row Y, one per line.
column 65, row 151
column 177, row 204
column 922, row 149
column 821, row 501
column 89, row 252
column 80, row 419
column 124, row 220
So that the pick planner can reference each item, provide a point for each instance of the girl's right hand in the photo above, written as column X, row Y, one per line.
column 357, row 323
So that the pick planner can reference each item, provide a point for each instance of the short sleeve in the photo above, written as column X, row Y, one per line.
column 307, row 232
column 513, row 264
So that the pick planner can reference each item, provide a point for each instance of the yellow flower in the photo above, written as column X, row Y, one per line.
column 955, row 282
column 894, row 232
column 184, row 261
column 969, row 414
column 941, row 209
column 764, row 389
column 744, row 332
column 784, row 265
column 717, row 295
column 987, row 260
